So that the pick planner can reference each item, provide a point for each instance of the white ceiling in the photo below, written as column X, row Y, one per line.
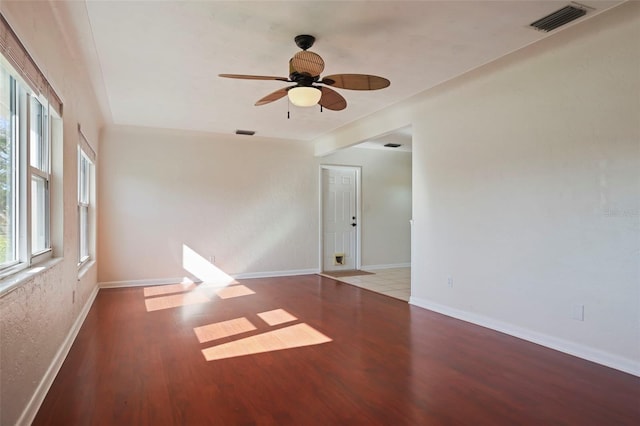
column 156, row 63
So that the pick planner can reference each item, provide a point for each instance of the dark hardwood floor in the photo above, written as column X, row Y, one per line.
column 321, row 352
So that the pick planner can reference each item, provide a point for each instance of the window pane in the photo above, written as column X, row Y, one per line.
column 83, row 179
column 8, row 190
column 84, row 231
column 39, row 149
column 39, row 216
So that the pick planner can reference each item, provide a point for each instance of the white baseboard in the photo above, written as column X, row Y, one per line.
column 141, row 283
column 272, row 274
column 30, row 411
column 585, row 352
column 242, row 276
column 389, row 266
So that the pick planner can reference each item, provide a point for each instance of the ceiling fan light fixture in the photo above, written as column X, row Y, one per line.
column 304, row 96
column 305, row 68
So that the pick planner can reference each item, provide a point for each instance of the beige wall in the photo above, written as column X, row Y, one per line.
column 526, row 189
column 37, row 319
column 386, row 203
column 247, row 201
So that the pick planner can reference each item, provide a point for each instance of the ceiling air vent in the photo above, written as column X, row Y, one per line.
column 558, row 18
column 392, row 145
column 245, row 132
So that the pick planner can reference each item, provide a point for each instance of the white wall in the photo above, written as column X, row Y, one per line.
column 386, row 203
column 249, row 201
column 39, row 318
column 526, row 189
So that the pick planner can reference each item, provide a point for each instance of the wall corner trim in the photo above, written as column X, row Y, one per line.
column 581, row 351
column 30, row 411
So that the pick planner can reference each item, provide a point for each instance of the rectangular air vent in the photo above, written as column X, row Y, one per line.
column 392, row 145
column 558, row 18
column 245, row 132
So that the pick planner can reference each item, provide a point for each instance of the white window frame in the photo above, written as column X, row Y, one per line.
column 85, row 195
column 12, row 176
column 42, row 172
column 25, row 173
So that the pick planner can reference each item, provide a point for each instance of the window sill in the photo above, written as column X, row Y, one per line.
column 13, row 281
column 84, row 268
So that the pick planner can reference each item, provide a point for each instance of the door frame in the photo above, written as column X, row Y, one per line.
column 358, row 170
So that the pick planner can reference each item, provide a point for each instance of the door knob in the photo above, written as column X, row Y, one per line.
column 353, row 224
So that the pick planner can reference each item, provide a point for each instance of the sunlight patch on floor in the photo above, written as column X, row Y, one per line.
column 234, row 291
column 184, row 294
column 294, row 336
column 219, row 330
column 159, row 290
column 214, row 282
column 175, row 301
column 276, row 317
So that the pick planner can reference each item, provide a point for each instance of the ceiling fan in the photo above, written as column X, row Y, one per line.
column 309, row 89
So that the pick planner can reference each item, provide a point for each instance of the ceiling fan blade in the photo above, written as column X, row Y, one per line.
column 332, row 100
column 306, row 62
column 253, row 77
column 356, row 81
column 274, row 96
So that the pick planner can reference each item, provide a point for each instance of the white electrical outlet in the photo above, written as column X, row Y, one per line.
column 450, row 281
column 577, row 312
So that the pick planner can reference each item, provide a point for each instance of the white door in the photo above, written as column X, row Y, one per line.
column 339, row 218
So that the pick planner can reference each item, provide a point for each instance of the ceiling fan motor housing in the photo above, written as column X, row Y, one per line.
column 304, row 41
column 302, row 79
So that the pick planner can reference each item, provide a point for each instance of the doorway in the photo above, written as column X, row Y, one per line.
column 340, row 217
column 383, row 229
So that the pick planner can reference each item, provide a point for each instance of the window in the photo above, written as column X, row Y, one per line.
column 85, row 172
column 30, row 125
column 8, row 173
column 25, row 164
column 39, row 170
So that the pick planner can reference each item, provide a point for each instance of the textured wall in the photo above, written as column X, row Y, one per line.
column 31, row 334
column 386, row 202
column 36, row 318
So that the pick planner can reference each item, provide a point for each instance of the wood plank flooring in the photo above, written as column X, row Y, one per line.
column 310, row 350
